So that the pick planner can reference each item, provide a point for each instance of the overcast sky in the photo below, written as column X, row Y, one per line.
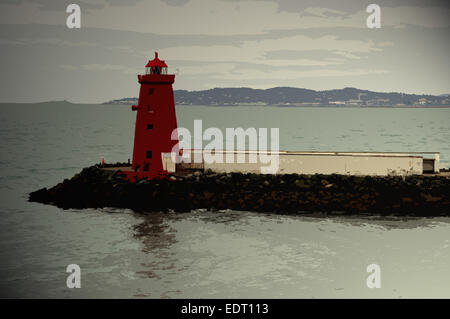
column 314, row 44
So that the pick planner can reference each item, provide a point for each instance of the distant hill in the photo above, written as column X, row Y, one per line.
column 285, row 96
column 126, row 100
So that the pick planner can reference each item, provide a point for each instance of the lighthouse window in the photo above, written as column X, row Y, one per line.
column 150, row 91
column 149, row 126
column 156, row 70
column 149, row 154
column 149, row 108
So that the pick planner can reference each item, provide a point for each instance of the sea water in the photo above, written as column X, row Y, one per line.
column 201, row 254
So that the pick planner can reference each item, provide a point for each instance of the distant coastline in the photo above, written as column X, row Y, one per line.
column 284, row 97
column 299, row 97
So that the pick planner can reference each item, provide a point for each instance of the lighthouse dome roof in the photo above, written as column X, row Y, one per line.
column 156, row 62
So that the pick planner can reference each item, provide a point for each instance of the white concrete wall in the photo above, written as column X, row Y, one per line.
column 350, row 164
column 238, row 165
column 319, row 163
column 436, row 163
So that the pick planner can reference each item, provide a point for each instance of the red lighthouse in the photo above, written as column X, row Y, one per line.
column 155, row 121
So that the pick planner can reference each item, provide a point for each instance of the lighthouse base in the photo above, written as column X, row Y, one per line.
column 415, row 195
column 134, row 177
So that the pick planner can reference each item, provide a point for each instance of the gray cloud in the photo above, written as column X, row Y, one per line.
column 94, row 64
column 351, row 6
column 57, row 5
column 348, row 6
column 218, row 17
column 176, row 2
column 123, row 2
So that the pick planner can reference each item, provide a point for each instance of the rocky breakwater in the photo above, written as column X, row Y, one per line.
column 334, row 194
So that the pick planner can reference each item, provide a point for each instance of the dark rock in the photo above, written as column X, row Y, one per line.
column 299, row 183
column 291, row 193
